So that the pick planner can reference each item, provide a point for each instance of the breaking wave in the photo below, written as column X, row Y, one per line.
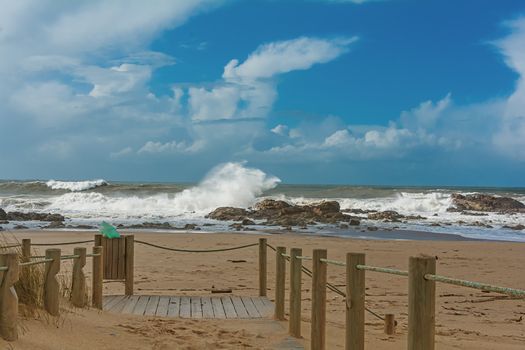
column 75, row 186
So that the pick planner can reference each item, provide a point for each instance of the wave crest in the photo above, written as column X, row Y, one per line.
column 75, row 186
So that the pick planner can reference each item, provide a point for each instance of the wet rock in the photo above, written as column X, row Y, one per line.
column 516, row 227
column 4, row 222
column 19, row 216
column 470, row 213
column 359, row 211
column 326, row 207
column 81, row 227
column 193, row 227
column 389, row 215
column 20, row 227
column 247, row 222
column 372, row 228
column 151, row 225
column 237, row 226
column 354, row 222
column 228, row 213
column 271, row 204
column 3, row 215
column 344, row 226
column 484, row 202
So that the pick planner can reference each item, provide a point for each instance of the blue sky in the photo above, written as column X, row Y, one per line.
column 395, row 92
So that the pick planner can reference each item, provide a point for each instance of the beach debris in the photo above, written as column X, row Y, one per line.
column 237, row 261
column 220, row 290
column 485, row 202
column 108, row 231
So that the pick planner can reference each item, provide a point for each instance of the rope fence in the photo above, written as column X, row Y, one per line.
column 476, row 285
column 36, row 262
column 196, row 250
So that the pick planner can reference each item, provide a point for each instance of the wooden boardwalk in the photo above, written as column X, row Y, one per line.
column 196, row 307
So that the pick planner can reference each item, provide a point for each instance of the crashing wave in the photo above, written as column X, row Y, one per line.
column 75, row 186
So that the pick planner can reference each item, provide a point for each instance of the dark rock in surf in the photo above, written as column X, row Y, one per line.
column 354, row 222
column 388, row 215
column 228, row 213
column 55, row 224
column 484, row 202
column 247, row 222
column 19, row 216
column 517, row 227
column 193, row 227
column 20, row 227
column 3, row 215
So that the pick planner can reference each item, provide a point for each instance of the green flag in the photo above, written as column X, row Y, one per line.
column 108, row 231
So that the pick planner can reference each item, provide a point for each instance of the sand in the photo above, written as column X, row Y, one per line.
column 465, row 318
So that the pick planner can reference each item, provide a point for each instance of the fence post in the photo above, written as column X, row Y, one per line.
column 421, row 303
column 280, row 278
column 98, row 272
column 390, row 324
column 51, row 287
column 355, row 302
column 26, row 249
column 130, row 264
column 78, row 283
column 8, row 297
column 318, row 300
column 262, row 267
column 295, row 292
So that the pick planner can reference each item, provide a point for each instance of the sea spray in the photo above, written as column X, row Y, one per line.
column 75, row 186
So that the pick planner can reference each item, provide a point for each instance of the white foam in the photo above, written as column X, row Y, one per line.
column 75, row 186
column 229, row 184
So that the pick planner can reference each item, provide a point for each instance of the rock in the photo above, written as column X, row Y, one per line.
column 389, row 215
column 344, row 226
column 55, row 224
column 228, row 213
column 20, row 227
column 354, row 222
column 19, row 216
column 271, row 204
column 81, row 227
column 485, row 202
column 372, row 228
column 3, row 215
column 237, row 226
column 191, row 227
column 325, row 207
column 517, row 227
column 247, row 222
column 358, row 211
column 473, row 213
column 4, row 222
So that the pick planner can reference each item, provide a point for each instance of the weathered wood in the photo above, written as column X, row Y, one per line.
column 390, row 324
column 151, row 307
column 98, row 240
column 196, row 307
column 130, row 304
column 78, row 282
column 207, row 308
column 294, row 324
column 421, row 303
column 185, row 307
column 113, row 301
column 140, row 307
column 108, row 258
column 218, row 309
column 51, row 286
column 114, row 256
column 26, row 249
column 118, row 307
column 174, row 307
column 239, row 307
column 8, row 297
column 318, row 326
column 121, row 268
column 250, row 307
column 229, row 309
column 280, row 280
column 263, row 310
column 262, row 267
column 130, row 258
column 162, row 308
column 355, row 302
column 98, row 273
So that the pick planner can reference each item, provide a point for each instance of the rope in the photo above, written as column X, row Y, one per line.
column 196, row 250
column 382, row 269
column 330, row 286
column 11, row 246
column 333, row 262
column 61, row 243
column 92, row 255
column 29, row 263
column 476, row 285
column 4, row 268
column 65, row 257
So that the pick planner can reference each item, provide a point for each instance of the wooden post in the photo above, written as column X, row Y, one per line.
column 98, row 240
column 26, row 249
column 294, row 325
column 318, row 300
column 262, row 267
column 280, row 280
column 390, row 324
column 421, row 303
column 130, row 264
column 355, row 302
column 8, row 298
column 78, row 283
column 98, row 273
column 51, row 287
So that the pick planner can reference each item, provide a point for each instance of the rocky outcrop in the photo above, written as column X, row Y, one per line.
column 228, row 213
column 388, row 215
column 3, row 215
column 517, row 227
column 485, row 202
column 19, row 216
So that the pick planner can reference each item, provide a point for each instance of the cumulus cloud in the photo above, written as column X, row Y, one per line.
column 152, row 147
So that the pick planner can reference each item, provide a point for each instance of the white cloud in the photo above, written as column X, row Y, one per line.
column 172, row 147
column 280, row 130
column 426, row 114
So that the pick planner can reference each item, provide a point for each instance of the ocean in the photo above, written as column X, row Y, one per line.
column 89, row 202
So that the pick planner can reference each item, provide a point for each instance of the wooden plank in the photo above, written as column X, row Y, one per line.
column 239, row 307
column 117, row 308
column 280, row 281
column 130, row 263
column 264, row 310
column 185, row 307
column 294, row 322
column 162, row 309
column 121, row 259
column 107, row 298
column 130, row 305
column 196, row 307
column 174, row 307
column 151, row 307
column 207, row 308
column 318, row 326
column 114, row 257
column 218, row 309
column 262, row 267
column 250, row 307
column 113, row 302
column 140, row 307
column 229, row 309
column 109, row 258
column 355, row 291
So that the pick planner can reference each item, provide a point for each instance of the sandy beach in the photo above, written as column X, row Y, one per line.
column 465, row 318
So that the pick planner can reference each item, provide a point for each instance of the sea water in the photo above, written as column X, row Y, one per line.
column 233, row 184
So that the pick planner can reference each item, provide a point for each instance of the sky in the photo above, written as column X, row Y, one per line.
column 363, row 92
